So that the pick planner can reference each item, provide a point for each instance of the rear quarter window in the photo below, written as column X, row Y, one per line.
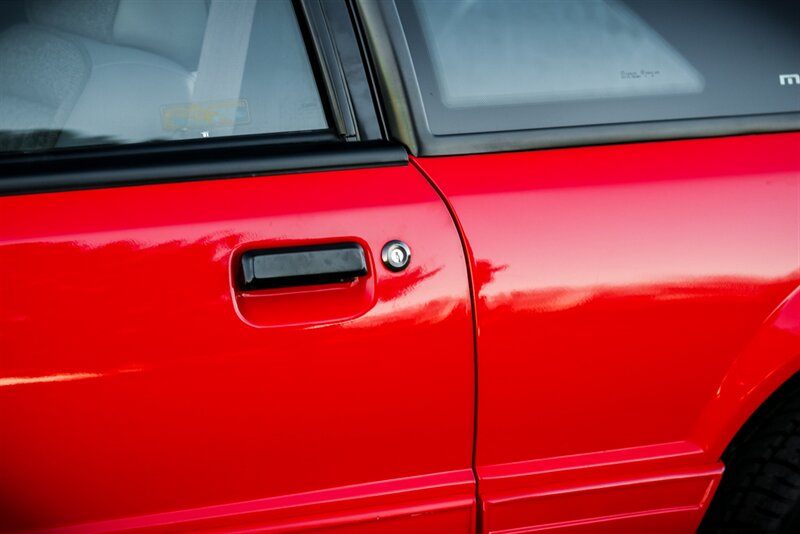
column 500, row 65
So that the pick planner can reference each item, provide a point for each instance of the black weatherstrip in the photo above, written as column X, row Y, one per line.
column 114, row 167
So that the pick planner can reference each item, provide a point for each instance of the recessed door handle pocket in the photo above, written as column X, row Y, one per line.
column 302, row 266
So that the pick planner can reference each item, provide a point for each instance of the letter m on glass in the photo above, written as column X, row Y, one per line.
column 789, row 79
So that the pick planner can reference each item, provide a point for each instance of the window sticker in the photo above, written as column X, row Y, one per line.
column 205, row 116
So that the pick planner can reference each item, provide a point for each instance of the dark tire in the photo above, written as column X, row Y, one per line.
column 760, row 490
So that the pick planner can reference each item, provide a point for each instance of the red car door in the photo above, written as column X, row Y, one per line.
column 146, row 383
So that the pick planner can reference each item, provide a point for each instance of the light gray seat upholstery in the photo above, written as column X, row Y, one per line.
column 99, row 69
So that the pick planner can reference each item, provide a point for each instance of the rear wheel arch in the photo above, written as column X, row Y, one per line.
column 760, row 490
column 752, row 425
column 765, row 370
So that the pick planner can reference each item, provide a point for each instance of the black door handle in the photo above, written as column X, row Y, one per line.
column 302, row 266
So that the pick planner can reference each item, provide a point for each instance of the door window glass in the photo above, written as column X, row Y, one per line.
column 89, row 72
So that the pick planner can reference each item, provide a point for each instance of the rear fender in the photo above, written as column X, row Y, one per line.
column 767, row 362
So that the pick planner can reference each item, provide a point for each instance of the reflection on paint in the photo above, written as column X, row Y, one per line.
column 62, row 377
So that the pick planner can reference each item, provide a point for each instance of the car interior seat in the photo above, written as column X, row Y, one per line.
column 96, row 68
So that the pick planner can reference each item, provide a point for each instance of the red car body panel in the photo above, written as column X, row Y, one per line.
column 140, row 389
column 633, row 308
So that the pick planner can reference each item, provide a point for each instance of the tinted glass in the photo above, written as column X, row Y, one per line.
column 494, row 65
column 86, row 72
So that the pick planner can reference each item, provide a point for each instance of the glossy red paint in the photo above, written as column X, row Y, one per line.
column 629, row 303
column 139, row 391
column 768, row 360
column 443, row 502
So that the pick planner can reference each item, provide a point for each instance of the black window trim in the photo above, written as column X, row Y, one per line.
column 408, row 123
column 342, row 71
column 354, row 139
column 143, row 165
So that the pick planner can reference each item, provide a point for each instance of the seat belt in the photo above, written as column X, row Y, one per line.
column 220, row 69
